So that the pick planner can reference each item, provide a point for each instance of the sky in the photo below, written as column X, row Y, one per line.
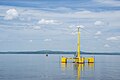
column 34, row 25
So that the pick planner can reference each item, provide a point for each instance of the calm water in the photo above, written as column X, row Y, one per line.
column 40, row 67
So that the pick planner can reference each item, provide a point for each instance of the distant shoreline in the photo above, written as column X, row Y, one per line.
column 57, row 52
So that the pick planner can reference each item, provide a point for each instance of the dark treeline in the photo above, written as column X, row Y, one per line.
column 57, row 52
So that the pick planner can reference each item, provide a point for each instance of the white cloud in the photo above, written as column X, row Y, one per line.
column 11, row 14
column 81, row 26
column 71, row 26
column 36, row 27
column 25, row 18
column 30, row 40
column 98, row 23
column 47, row 40
column 96, row 15
column 48, row 21
column 74, row 33
column 98, row 33
column 61, row 9
column 73, row 17
column 106, row 45
column 113, row 38
column 109, row 2
column 84, row 12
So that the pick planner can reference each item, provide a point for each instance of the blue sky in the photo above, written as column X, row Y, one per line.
column 32, row 25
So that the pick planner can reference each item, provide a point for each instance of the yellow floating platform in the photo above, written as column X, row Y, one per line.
column 78, row 59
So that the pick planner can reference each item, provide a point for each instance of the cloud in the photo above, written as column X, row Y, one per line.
column 106, row 45
column 73, row 33
column 98, row 23
column 81, row 26
column 74, row 28
column 30, row 40
column 83, row 12
column 60, row 9
column 98, row 33
column 96, row 37
column 115, row 38
column 71, row 26
column 47, row 40
column 48, row 21
column 11, row 14
column 36, row 27
column 109, row 2
column 46, row 17
column 25, row 18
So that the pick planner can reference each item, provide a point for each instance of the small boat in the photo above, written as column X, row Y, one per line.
column 46, row 54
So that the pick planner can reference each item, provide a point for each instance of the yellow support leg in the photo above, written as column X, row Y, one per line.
column 63, row 60
column 91, row 60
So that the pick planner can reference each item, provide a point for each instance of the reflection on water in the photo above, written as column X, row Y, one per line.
column 40, row 67
column 91, row 66
column 63, row 66
column 79, row 68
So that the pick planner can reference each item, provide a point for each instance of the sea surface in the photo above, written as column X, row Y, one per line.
column 41, row 67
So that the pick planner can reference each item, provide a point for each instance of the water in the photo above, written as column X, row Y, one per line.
column 40, row 67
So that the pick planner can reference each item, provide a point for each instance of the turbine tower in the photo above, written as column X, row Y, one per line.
column 78, row 58
column 78, row 44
